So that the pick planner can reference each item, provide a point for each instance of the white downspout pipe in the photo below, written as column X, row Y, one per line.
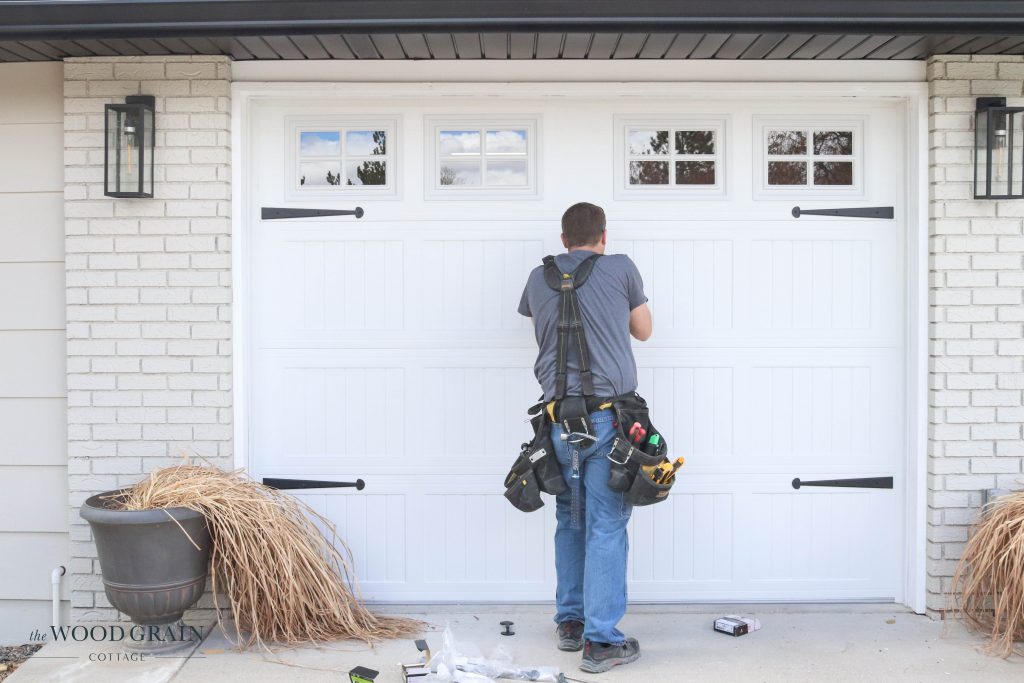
column 55, row 586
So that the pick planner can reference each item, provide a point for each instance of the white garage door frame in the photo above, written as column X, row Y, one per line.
column 534, row 79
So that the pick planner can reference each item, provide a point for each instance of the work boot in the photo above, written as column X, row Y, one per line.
column 570, row 636
column 599, row 657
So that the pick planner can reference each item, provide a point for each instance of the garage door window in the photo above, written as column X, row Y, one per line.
column 482, row 158
column 821, row 159
column 670, row 158
column 333, row 157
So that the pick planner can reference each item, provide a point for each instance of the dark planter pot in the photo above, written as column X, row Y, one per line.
column 151, row 571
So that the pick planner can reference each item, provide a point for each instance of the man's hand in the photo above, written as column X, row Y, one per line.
column 640, row 324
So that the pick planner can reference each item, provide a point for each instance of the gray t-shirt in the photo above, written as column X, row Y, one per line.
column 613, row 289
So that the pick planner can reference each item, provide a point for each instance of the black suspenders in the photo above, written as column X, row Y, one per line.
column 570, row 322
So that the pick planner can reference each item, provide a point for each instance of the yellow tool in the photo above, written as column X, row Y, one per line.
column 664, row 472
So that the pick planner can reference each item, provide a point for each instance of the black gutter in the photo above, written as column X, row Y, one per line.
column 64, row 19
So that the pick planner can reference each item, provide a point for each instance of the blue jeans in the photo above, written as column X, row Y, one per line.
column 591, row 542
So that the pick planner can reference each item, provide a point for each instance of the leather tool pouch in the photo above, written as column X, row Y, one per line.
column 629, row 457
column 536, row 470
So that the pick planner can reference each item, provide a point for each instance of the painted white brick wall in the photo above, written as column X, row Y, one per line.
column 977, row 312
column 148, row 288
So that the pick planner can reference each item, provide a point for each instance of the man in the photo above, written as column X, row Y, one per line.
column 590, row 541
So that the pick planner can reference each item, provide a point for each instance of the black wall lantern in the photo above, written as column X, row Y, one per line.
column 998, row 150
column 128, row 147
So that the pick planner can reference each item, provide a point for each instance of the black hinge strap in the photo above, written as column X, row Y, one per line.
column 287, row 484
column 858, row 212
column 860, row 483
column 274, row 213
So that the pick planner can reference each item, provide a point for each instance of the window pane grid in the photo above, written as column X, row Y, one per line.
column 811, row 165
column 662, row 166
column 321, row 167
column 483, row 166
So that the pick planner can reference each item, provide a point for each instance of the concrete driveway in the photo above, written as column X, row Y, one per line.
column 872, row 643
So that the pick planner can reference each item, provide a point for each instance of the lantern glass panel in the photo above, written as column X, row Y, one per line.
column 147, row 150
column 123, row 150
column 1000, row 134
column 981, row 153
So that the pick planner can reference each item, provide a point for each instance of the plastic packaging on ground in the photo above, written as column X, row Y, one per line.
column 461, row 662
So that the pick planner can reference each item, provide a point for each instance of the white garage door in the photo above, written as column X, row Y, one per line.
column 388, row 348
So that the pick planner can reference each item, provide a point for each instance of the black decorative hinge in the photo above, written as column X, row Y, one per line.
column 863, row 483
column 288, row 484
column 860, row 212
column 273, row 213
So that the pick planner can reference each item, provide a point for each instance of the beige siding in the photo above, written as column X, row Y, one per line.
column 33, row 386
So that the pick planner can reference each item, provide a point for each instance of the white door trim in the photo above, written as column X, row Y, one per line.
column 914, row 95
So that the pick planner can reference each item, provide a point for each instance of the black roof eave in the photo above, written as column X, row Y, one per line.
column 64, row 19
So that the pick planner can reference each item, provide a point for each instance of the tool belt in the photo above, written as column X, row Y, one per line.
column 635, row 454
column 537, row 470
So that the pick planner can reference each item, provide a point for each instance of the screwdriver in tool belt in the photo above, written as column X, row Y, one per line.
column 667, row 470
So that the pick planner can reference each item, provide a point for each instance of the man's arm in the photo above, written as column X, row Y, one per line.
column 640, row 323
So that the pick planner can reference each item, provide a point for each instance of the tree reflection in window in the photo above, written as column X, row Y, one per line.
column 366, row 143
column 787, row 173
column 695, row 142
column 646, row 142
column 450, row 177
column 833, row 142
column 827, row 161
column 648, row 173
column 695, row 173
column 833, row 173
column 691, row 155
column 343, row 157
column 787, row 142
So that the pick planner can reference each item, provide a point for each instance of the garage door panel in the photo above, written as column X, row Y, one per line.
column 423, row 409
column 829, row 537
column 331, row 411
column 332, row 286
column 689, row 281
column 693, row 406
column 821, row 412
column 477, row 539
column 475, row 284
column 430, row 406
column 688, row 538
column 804, row 284
column 389, row 349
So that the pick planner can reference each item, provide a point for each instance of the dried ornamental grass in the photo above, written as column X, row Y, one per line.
column 286, row 582
column 990, row 575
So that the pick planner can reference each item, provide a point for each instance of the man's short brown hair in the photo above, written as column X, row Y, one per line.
column 583, row 224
